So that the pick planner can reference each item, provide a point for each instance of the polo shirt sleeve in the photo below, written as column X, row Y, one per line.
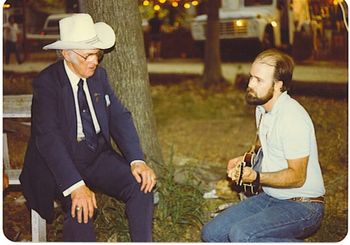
column 295, row 134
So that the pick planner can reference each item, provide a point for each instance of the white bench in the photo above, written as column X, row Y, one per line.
column 19, row 106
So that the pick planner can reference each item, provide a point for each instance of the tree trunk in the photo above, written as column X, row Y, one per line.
column 127, row 68
column 212, row 75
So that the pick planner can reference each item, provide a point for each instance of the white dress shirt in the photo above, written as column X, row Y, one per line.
column 74, row 80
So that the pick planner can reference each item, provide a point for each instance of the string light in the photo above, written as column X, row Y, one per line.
column 187, row 5
column 195, row 3
column 336, row 2
column 174, row 3
column 156, row 7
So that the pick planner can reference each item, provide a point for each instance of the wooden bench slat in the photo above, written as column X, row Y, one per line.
column 17, row 106
column 13, row 175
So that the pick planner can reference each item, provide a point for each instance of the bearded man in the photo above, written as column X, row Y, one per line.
column 290, row 206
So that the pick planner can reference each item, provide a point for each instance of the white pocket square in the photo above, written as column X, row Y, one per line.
column 108, row 102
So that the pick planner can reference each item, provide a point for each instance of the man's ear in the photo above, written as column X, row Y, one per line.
column 65, row 54
column 69, row 56
column 278, row 86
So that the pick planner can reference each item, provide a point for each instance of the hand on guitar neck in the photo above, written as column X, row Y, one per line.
column 233, row 168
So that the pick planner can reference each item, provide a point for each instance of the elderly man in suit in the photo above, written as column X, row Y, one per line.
column 75, row 114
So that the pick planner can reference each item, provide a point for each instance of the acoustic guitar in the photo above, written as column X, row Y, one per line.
column 253, row 160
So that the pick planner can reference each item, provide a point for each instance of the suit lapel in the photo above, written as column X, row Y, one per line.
column 68, row 102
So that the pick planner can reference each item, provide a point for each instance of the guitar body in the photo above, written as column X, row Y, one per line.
column 253, row 160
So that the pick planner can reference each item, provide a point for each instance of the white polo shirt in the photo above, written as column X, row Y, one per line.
column 287, row 132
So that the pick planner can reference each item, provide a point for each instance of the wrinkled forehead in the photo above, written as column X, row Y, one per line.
column 265, row 63
column 88, row 51
column 269, row 61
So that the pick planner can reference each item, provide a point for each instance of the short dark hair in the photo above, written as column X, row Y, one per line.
column 283, row 64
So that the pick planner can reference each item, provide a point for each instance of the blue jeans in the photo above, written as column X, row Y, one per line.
column 263, row 218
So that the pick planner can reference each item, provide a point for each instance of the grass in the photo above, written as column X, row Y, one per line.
column 199, row 131
column 178, row 215
column 205, row 128
column 213, row 127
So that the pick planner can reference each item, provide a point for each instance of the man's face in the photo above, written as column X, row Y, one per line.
column 83, row 62
column 261, row 83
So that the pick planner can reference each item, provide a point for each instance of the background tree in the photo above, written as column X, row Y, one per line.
column 45, row 6
column 127, row 67
column 212, row 75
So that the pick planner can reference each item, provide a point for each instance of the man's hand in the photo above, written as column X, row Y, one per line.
column 249, row 175
column 144, row 175
column 83, row 203
column 232, row 171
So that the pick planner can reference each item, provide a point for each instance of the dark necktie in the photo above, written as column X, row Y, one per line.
column 86, row 119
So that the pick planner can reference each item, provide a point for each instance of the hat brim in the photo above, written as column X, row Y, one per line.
column 104, row 39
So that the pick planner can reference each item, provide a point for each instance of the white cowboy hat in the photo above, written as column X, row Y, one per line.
column 78, row 31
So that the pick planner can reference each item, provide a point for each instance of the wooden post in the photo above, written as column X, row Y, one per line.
column 38, row 227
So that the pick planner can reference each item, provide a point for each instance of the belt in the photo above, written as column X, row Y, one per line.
column 319, row 199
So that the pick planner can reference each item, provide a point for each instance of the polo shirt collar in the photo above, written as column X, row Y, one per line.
column 279, row 103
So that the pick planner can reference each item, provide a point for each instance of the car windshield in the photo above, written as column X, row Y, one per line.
column 53, row 24
column 257, row 2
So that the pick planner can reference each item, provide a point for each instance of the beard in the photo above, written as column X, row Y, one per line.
column 252, row 98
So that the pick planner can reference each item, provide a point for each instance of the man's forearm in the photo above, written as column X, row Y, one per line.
column 286, row 178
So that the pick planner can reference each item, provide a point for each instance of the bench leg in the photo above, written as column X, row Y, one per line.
column 38, row 227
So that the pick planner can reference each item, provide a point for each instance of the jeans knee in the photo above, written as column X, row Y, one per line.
column 210, row 233
column 237, row 234
column 206, row 237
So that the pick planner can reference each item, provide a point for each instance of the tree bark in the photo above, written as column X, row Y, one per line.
column 212, row 75
column 127, row 68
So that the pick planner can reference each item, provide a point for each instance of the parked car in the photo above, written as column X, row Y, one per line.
column 51, row 25
column 49, row 33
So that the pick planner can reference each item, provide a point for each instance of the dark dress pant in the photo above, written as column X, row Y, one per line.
column 108, row 172
column 11, row 47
